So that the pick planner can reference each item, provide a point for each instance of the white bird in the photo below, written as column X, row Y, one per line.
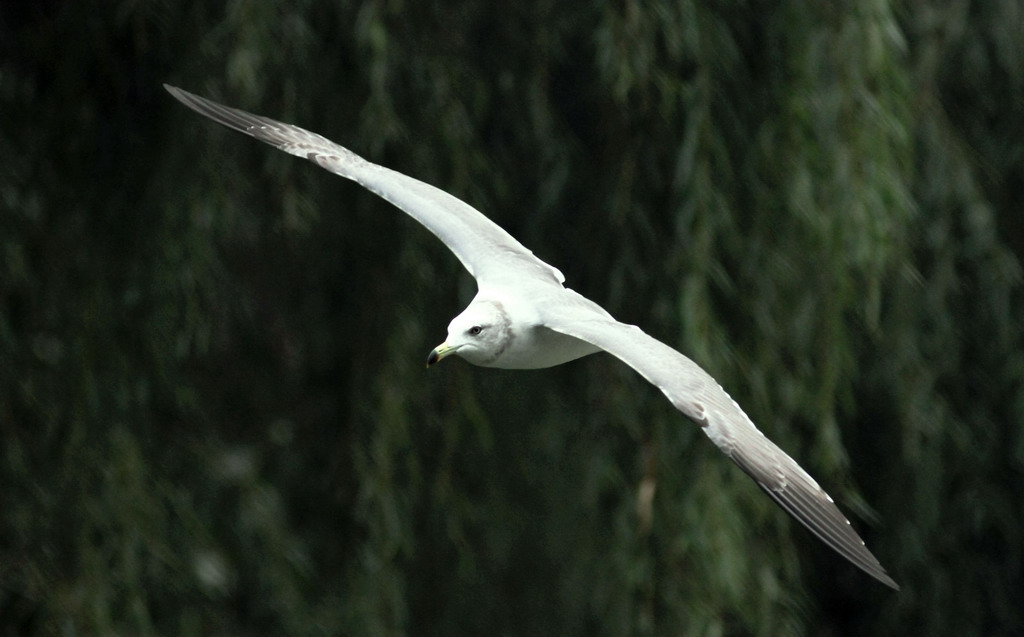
column 522, row 317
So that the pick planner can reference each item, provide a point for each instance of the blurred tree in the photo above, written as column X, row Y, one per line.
column 213, row 408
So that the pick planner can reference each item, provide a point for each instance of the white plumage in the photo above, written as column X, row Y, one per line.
column 522, row 317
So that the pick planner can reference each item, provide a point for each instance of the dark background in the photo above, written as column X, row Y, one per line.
column 214, row 411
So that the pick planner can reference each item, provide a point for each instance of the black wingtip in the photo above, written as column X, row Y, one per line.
column 883, row 577
column 839, row 535
column 183, row 96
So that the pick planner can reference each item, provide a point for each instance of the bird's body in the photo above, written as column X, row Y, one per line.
column 515, row 333
column 524, row 318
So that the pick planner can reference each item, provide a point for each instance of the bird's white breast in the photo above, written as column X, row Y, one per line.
column 536, row 347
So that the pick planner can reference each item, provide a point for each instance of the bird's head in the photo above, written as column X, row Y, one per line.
column 481, row 334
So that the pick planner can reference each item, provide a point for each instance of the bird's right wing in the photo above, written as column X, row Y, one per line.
column 695, row 393
column 489, row 253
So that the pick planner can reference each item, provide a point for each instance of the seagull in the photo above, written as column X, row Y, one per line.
column 523, row 317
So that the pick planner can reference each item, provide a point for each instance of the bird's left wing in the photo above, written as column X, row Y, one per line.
column 695, row 393
column 484, row 248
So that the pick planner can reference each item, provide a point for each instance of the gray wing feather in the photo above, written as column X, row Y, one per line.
column 695, row 393
column 489, row 253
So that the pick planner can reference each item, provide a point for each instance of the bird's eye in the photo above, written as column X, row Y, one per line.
column 475, row 330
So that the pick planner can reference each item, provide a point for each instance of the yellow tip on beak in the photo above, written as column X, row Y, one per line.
column 442, row 351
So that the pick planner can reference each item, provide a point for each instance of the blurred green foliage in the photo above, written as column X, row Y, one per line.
column 214, row 413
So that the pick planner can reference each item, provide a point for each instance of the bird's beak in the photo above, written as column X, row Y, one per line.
column 444, row 350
